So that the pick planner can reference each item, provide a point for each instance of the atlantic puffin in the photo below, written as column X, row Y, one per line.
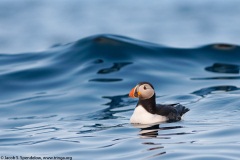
column 148, row 112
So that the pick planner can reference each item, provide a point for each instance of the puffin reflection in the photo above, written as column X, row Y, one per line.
column 152, row 130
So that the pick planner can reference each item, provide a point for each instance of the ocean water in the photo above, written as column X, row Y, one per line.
column 71, row 101
column 27, row 25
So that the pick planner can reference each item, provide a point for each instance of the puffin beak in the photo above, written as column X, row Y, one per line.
column 131, row 93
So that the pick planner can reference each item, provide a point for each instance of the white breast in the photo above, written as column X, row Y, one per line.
column 140, row 115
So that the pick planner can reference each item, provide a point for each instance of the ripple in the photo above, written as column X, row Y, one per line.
column 224, row 68
column 116, row 67
column 209, row 90
column 32, row 117
column 105, row 80
column 217, row 78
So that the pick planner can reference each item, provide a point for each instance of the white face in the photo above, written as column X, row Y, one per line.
column 145, row 91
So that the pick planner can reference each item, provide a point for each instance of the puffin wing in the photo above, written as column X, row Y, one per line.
column 172, row 111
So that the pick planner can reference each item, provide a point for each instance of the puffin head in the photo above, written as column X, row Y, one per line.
column 143, row 90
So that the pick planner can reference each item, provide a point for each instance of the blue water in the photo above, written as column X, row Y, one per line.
column 27, row 25
column 72, row 100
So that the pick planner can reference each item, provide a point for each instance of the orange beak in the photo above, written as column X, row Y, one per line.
column 131, row 93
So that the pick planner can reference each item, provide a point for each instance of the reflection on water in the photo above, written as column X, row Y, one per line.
column 98, row 61
column 151, row 131
column 223, row 68
column 105, row 80
column 116, row 67
column 209, row 90
column 33, row 117
column 224, row 46
column 217, row 78
column 147, row 131
column 116, row 102
column 157, row 137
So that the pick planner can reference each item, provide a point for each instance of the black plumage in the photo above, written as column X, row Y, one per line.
column 173, row 112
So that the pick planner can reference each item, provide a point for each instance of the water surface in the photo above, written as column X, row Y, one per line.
column 72, row 100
